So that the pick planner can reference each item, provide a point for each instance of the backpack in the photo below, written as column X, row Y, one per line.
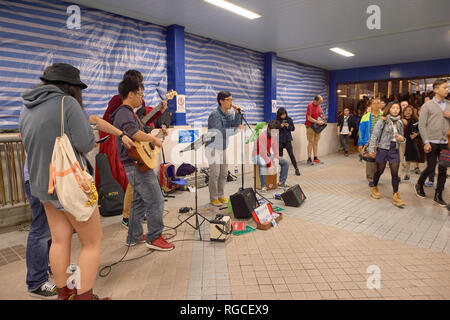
column 74, row 186
column 110, row 192
column 166, row 176
column 185, row 169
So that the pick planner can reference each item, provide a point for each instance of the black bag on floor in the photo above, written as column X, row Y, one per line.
column 110, row 192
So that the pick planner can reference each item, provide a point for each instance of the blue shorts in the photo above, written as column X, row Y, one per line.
column 58, row 206
column 392, row 155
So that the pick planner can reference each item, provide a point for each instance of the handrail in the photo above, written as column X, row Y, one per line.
column 12, row 159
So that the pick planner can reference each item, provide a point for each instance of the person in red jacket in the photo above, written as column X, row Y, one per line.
column 266, row 154
column 109, row 147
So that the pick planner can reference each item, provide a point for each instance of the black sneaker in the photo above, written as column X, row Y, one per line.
column 309, row 161
column 438, row 199
column 419, row 191
column 297, row 172
column 125, row 222
column 46, row 291
column 406, row 178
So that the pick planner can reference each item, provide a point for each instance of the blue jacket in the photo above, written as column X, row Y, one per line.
column 224, row 126
column 364, row 128
column 285, row 132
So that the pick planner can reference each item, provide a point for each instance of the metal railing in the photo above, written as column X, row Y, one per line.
column 12, row 160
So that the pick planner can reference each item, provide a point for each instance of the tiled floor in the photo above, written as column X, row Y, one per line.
column 328, row 248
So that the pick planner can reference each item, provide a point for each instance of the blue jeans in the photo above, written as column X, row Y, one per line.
column 284, row 164
column 147, row 200
column 38, row 243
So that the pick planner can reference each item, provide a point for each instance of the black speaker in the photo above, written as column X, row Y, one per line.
column 293, row 197
column 244, row 203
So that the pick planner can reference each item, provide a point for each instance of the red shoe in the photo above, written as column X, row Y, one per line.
column 316, row 160
column 89, row 295
column 160, row 244
column 65, row 293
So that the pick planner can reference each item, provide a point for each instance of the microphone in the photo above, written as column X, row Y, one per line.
column 238, row 110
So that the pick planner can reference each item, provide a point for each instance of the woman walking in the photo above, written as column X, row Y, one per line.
column 386, row 136
column 410, row 123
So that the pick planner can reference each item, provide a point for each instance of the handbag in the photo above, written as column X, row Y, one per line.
column 318, row 128
column 365, row 152
column 74, row 186
column 444, row 158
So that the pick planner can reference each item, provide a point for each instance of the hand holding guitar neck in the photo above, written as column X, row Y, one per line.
column 162, row 106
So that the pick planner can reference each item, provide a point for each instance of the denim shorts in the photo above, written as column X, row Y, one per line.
column 58, row 206
column 392, row 155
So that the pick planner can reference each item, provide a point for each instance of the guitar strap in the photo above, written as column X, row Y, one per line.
column 139, row 121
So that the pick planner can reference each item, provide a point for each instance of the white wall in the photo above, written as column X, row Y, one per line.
column 327, row 145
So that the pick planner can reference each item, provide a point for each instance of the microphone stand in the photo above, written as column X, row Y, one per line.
column 254, row 165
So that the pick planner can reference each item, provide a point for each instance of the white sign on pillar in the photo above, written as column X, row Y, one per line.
column 274, row 106
column 181, row 103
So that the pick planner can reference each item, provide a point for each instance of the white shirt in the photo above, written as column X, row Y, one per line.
column 345, row 129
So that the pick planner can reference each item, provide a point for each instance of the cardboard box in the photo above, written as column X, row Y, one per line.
column 271, row 179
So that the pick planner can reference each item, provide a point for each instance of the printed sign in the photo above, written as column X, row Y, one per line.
column 187, row 136
column 274, row 106
column 181, row 103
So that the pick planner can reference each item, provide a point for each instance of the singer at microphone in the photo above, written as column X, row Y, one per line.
column 224, row 123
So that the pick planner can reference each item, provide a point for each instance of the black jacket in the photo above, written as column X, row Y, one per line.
column 351, row 122
column 285, row 132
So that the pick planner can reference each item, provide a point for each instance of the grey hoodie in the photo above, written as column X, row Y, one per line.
column 40, row 124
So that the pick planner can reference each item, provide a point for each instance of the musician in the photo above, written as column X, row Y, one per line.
column 266, row 154
column 147, row 196
column 224, row 123
column 110, row 147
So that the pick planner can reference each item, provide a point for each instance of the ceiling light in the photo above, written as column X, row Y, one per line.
column 234, row 8
column 342, row 52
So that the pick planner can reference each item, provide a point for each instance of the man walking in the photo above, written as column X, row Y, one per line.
column 434, row 122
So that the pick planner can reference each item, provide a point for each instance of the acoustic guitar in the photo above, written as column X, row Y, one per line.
column 146, row 153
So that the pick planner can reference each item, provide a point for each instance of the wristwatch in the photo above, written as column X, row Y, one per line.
column 123, row 134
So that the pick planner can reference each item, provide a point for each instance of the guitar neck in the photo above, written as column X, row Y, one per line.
column 151, row 113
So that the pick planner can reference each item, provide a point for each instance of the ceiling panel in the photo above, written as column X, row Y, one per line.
column 303, row 30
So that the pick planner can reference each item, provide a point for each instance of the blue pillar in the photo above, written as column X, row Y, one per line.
column 270, row 84
column 176, row 69
column 332, row 98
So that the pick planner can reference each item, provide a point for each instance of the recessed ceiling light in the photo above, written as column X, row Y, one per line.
column 234, row 8
column 342, row 52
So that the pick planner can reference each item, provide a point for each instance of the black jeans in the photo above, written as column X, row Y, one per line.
column 432, row 160
column 288, row 146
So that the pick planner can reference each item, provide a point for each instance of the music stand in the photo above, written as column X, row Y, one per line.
column 197, row 144
column 254, row 165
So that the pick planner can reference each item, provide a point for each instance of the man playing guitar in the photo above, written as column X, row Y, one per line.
column 147, row 196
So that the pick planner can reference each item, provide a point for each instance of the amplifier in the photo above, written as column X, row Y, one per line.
column 220, row 228
column 294, row 196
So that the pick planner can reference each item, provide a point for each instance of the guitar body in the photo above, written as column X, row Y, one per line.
column 145, row 155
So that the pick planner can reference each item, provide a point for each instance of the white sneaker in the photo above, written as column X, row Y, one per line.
column 263, row 189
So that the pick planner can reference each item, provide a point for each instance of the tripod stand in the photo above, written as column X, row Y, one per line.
column 255, row 134
column 194, row 146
